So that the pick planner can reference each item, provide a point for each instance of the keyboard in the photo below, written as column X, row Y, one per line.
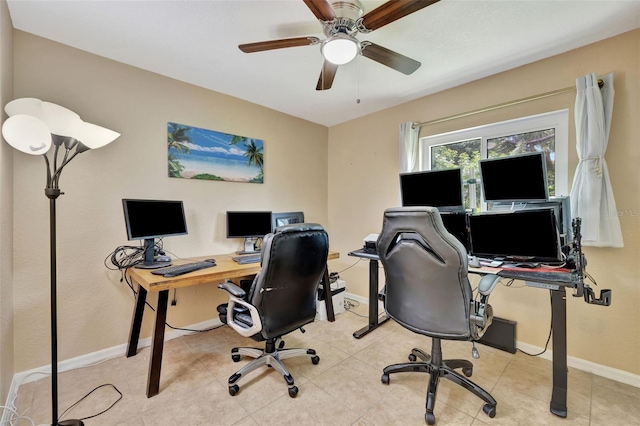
column 173, row 271
column 540, row 276
column 243, row 260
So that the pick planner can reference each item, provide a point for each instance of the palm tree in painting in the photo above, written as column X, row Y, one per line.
column 177, row 137
column 254, row 155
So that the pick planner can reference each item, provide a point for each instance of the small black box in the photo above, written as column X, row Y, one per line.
column 501, row 334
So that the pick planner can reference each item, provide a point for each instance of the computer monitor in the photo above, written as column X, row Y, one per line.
column 456, row 224
column 249, row 225
column 150, row 219
column 520, row 177
column 433, row 188
column 525, row 235
column 280, row 219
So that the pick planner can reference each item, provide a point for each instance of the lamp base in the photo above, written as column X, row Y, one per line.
column 71, row 423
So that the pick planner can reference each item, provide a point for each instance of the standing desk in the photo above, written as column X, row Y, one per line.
column 226, row 269
column 558, row 404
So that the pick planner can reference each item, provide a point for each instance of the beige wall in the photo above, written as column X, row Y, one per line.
column 6, row 209
column 363, row 181
column 94, row 307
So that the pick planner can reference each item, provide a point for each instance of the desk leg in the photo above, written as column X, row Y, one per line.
column 157, row 344
column 558, row 404
column 136, row 322
column 373, row 302
column 328, row 299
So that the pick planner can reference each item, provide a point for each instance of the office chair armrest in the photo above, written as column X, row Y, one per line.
column 255, row 317
column 487, row 284
column 233, row 290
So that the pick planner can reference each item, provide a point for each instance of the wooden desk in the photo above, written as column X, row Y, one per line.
column 226, row 268
column 558, row 403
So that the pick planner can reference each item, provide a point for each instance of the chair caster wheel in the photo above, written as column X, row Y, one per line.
column 385, row 379
column 293, row 391
column 315, row 360
column 235, row 358
column 412, row 357
column 430, row 418
column 467, row 371
column 233, row 390
column 489, row 410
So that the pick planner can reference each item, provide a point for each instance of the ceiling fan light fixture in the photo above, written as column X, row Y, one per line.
column 340, row 49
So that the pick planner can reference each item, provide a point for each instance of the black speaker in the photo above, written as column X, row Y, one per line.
column 501, row 334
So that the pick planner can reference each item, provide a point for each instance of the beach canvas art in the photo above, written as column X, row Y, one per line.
column 196, row 153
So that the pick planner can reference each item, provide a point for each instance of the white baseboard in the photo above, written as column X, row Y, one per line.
column 91, row 359
column 588, row 366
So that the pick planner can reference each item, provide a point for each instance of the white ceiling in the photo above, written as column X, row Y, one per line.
column 456, row 41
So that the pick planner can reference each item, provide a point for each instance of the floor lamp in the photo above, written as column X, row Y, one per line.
column 33, row 127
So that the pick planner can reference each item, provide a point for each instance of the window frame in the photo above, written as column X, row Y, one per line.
column 559, row 120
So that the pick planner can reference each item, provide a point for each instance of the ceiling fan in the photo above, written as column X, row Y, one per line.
column 341, row 21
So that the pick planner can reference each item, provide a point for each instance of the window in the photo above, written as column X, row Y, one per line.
column 546, row 133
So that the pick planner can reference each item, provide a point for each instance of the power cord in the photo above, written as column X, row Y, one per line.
column 87, row 395
column 15, row 416
column 349, row 304
column 546, row 345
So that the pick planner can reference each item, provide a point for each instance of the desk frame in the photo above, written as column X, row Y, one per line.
column 216, row 274
column 558, row 404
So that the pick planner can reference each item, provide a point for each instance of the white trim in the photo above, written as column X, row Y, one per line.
column 92, row 359
column 588, row 366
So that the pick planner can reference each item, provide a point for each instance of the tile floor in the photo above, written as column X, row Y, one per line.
column 343, row 389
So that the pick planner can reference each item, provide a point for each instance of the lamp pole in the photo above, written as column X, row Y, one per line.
column 53, row 192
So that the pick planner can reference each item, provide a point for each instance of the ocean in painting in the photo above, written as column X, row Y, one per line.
column 195, row 153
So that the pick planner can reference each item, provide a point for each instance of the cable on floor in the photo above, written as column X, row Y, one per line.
column 14, row 416
column 86, row 396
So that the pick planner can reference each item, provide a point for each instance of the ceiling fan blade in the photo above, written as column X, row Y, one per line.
column 322, row 9
column 278, row 44
column 389, row 58
column 391, row 11
column 326, row 75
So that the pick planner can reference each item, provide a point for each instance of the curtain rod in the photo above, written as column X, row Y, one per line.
column 502, row 105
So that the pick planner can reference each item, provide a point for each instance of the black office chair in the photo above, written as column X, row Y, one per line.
column 282, row 298
column 427, row 292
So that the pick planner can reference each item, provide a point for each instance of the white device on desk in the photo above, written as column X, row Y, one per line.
column 369, row 243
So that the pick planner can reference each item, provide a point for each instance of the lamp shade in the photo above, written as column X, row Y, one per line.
column 29, row 106
column 60, row 120
column 27, row 134
column 93, row 136
column 340, row 49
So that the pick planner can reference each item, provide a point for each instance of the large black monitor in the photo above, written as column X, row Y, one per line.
column 150, row 219
column 524, row 235
column 456, row 224
column 520, row 177
column 249, row 225
column 433, row 188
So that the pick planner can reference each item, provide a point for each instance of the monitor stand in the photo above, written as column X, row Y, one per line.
column 149, row 262
column 249, row 246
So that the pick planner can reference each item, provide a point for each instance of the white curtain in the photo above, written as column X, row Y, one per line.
column 408, row 147
column 591, row 194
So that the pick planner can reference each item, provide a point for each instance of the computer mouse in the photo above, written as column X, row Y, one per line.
column 210, row 260
column 474, row 262
column 163, row 259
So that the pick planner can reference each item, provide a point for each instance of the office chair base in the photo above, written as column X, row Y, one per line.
column 436, row 368
column 271, row 359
